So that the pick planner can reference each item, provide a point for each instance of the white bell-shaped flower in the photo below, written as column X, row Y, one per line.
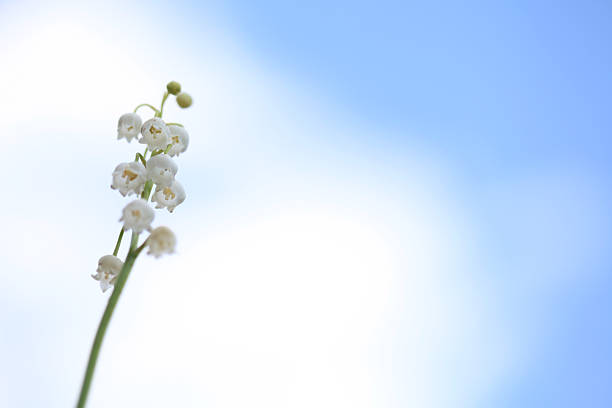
column 179, row 139
column 129, row 178
column 109, row 267
column 129, row 126
column 169, row 197
column 155, row 134
column 161, row 241
column 161, row 169
column 137, row 216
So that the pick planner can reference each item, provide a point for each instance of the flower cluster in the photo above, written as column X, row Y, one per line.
column 152, row 177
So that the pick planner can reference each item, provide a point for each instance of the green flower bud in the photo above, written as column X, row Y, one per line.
column 173, row 87
column 184, row 100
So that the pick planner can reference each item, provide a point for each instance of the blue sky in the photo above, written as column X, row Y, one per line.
column 478, row 75
column 517, row 96
column 389, row 204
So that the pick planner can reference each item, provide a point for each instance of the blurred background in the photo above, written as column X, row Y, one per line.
column 389, row 204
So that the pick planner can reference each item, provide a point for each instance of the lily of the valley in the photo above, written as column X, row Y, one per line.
column 161, row 169
column 155, row 134
column 179, row 139
column 109, row 267
column 137, row 216
column 129, row 126
column 161, row 241
column 169, row 197
column 129, row 178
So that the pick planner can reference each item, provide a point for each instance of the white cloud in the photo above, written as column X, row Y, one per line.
column 310, row 272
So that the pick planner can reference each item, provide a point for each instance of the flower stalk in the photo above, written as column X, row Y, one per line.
column 139, row 177
column 108, row 313
column 116, row 250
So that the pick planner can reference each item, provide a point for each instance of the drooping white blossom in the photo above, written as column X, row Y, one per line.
column 129, row 126
column 161, row 241
column 155, row 134
column 137, row 216
column 179, row 139
column 169, row 197
column 109, row 267
column 161, row 169
column 129, row 178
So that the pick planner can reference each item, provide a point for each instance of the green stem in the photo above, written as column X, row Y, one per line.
column 142, row 159
column 141, row 247
column 160, row 112
column 116, row 251
column 147, row 190
column 147, row 105
column 108, row 312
